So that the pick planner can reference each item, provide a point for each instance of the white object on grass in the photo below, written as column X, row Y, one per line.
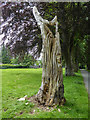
column 26, row 103
column 59, row 110
column 22, row 99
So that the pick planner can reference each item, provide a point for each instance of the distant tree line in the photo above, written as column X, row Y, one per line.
column 7, row 58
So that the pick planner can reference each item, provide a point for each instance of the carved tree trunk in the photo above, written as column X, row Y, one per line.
column 52, row 89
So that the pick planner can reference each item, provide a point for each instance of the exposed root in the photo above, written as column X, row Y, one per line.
column 38, row 104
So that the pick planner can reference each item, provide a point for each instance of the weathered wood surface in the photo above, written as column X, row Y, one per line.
column 52, row 89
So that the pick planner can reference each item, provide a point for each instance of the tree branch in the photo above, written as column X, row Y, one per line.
column 40, row 20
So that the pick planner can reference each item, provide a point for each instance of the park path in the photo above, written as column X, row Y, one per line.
column 86, row 76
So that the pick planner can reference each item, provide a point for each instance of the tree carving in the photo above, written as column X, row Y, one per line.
column 51, row 91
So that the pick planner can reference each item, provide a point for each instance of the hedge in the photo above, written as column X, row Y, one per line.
column 5, row 66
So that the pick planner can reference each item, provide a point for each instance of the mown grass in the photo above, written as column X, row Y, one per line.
column 17, row 83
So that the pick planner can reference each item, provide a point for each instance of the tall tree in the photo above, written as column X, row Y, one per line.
column 87, row 5
column 72, row 18
column 22, row 28
column 72, row 23
column 52, row 88
column 19, row 28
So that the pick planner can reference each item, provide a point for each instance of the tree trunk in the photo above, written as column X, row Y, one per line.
column 52, row 89
column 75, row 55
column 76, row 66
column 67, row 54
column 69, row 68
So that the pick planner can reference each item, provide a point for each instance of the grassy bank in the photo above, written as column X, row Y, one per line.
column 17, row 83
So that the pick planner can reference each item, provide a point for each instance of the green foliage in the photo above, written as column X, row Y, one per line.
column 5, row 66
column 14, row 61
column 72, row 18
column 73, row 29
column 88, row 52
column 5, row 55
column 38, row 62
column 0, row 56
column 82, row 51
column 28, row 60
column 17, row 83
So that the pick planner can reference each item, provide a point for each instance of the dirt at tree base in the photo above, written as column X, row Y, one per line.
column 42, row 107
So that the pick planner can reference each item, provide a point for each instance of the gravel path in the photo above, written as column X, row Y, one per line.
column 86, row 76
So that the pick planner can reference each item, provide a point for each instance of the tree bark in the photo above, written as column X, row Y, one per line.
column 76, row 66
column 69, row 68
column 68, row 60
column 52, row 89
column 75, row 56
column 67, row 53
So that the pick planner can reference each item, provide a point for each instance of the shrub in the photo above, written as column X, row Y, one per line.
column 5, row 66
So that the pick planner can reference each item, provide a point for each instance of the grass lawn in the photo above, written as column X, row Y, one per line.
column 17, row 83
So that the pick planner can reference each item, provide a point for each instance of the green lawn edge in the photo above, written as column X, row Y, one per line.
column 17, row 83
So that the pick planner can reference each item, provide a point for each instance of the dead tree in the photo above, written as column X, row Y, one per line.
column 51, row 91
